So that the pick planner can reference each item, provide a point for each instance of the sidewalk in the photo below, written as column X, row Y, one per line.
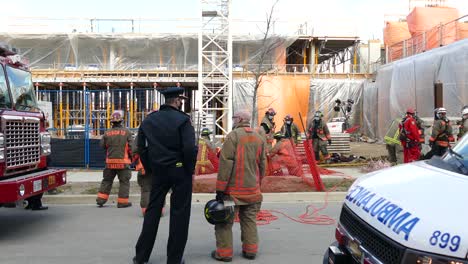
column 76, row 175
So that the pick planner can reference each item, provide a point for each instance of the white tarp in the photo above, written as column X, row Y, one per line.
column 410, row 83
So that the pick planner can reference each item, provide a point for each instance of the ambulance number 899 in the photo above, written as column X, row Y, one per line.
column 443, row 240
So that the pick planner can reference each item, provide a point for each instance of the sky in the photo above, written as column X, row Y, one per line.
column 363, row 18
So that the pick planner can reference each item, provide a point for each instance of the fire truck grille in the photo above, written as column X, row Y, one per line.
column 22, row 142
column 380, row 246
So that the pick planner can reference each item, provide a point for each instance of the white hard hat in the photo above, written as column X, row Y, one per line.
column 441, row 110
column 465, row 111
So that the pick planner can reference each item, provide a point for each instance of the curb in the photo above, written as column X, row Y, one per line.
column 318, row 197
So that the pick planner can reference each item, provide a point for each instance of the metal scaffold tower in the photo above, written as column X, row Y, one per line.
column 214, row 97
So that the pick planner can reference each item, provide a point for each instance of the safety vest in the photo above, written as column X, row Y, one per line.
column 393, row 133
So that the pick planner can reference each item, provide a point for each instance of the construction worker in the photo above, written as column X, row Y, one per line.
column 206, row 159
column 242, row 166
column 268, row 125
column 290, row 130
column 168, row 137
column 463, row 124
column 409, row 137
column 393, row 143
column 283, row 154
column 319, row 133
column 441, row 133
column 117, row 141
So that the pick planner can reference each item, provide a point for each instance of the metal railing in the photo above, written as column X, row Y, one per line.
column 438, row 36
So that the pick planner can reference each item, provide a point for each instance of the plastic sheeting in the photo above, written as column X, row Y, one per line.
column 410, row 83
column 286, row 94
column 324, row 93
column 133, row 51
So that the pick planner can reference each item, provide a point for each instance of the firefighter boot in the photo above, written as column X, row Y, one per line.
column 215, row 256
column 250, row 256
column 124, row 205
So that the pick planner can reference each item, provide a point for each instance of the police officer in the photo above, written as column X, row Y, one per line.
column 117, row 141
column 268, row 125
column 169, row 138
column 242, row 166
column 319, row 133
column 290, row 130
column 441, row 133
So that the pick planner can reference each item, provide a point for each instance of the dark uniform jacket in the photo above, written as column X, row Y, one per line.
column 117, row 141
column 291, row 131
column 242, row 165
column 169, row 137
column 319, row 130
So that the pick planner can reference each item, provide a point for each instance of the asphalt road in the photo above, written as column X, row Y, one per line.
column 84, row 234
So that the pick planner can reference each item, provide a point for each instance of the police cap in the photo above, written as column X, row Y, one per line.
column 173, row 92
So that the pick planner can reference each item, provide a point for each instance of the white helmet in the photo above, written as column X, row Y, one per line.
column 465, row 111
column 441, row 110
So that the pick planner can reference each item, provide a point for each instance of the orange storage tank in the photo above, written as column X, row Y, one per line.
column 428, row 19
column 462, row 30
column 395, row 32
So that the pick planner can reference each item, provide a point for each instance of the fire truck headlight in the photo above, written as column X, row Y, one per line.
column 45, row 138
column 21, row 190
column 45, row 150
column 2, row 139
column 2, row 154
column 64, row 178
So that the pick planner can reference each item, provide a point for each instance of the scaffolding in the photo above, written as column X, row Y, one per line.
column 215, row 66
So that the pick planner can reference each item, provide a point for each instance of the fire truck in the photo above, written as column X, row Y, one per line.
column 24, row 141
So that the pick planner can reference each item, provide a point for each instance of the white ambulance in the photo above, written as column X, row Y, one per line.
column 412, row 213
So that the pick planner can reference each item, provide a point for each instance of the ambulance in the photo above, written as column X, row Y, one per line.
column 411, row 213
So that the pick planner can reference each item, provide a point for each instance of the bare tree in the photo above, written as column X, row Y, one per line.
column 268, row 46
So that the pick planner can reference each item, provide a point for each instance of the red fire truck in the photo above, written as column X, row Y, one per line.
column 24, row 141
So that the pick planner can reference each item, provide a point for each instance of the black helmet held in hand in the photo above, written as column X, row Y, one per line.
column 217, row 213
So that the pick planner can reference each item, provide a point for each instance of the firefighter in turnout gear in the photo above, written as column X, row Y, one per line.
column 169, row 139
column 283, row 154
column 409, row 137
column 268, row 125
column 290, row 130
column 117, row 141
column 320, row 135
column 242, row 166
column 463, row 124
column 206, row 154
column 144, row 179
column 441, row 134
column 420, row 124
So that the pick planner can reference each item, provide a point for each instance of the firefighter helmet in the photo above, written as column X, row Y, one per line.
column 271, row 112
column 410, row 111
column 465, row 111
column 217, row 213
column 318, row 114
column 288, row 117
column 205, row 132
column 116, row 117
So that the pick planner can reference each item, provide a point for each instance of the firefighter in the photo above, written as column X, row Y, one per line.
column 319, row 133
column 282, row 154
column 420, row 124
column 144, row 180
column 463, row 124
column 268, row 125
column 242, row 166
column 206, row 154
column 290, row 130
column 117, row 142
column 409, row 137
column 441, row 133
column 169, row 138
